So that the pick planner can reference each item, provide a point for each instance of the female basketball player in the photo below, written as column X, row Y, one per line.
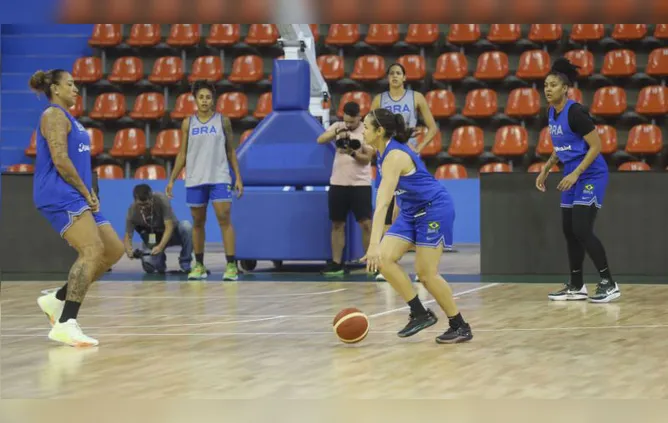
column 426, row 217
column 577, row 145
column 410, row 104
column 63, row 193
column 207, row 153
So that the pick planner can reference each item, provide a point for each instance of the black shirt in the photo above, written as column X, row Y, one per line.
column 579, row 119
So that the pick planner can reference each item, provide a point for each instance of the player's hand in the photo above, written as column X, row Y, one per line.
column 156, row 250
column 372, row 259
column 239, row 188
column 93, row 202
column 540, row 181
column 168, row 189
column 128, row 252
column 567, row 182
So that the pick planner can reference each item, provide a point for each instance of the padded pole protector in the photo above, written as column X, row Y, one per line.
column 291, row 88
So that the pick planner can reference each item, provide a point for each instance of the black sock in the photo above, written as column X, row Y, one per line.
column 417, row 309
column 576, row 279
column 605, row 274
column 231, row 259
column 456, row 321
column 199, row 258
column 62, row 293
column 70, row 311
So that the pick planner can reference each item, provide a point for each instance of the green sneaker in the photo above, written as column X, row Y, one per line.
column 231, row 272
column 198, row 272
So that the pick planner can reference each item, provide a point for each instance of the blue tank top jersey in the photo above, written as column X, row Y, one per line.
column 419, row 189
column 50, row 189
column 570, row 146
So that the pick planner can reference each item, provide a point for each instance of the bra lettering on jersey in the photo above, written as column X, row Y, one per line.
column 83, row 147
column 398, row 108
column 201, row 130
column 556, row 130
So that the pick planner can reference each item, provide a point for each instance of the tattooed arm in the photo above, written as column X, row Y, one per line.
column 232, row 155
column 55, row 127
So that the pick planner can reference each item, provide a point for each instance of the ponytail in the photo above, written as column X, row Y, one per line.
column 401, row 132
column 394, row 125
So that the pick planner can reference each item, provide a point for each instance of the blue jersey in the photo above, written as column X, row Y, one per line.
column 50, row 189
column 571, row 147
column 415, row 191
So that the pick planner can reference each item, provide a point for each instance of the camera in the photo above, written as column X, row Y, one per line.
column 137, row 254
column 346, row 142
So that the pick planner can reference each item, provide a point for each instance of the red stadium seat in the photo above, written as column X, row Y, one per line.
column 332, row 67
column 78, row 108
column 368, row 68
column 148, row 106
column 144, row 35
column 538, row 167
column 463, row 33
column 425, row 10
column 96, row 141
column 209, row 68
column 504, row 33
column 619, row 63
column 629, row 32
column 544, row 147
column 264, row 106
column 343, row 34
column 653, row 100
column 87, row 70
column 492, row 65
column 608, row 136
column 575, row 94
column 416, row 68
column 224, row 35
column 167, row 144
column 262, row 35
column 109, row 106
column 247, row 69
column 495, row 168
column 21, row 168
column 382, row 34
column 467, row 141
column 167, row 70
column 534, row 64
column 360, row 97
column 571, row 10
column 511, row 140
column 234, row 105
column 451, row 67
column 657, row 64
column 451, row 171
column 129, row 143
column 661, row 30
column 542, row 33
column 185, row 106
column 422, row 34
column 109, row 171
column 644, row 139
column 127, row 70
column 523, row 102
column 618, row 10
column 315, row 30
column 31, row 150
column 151, row 171
column 441, row 103
column 183, row 35
column 609, row 101
column 634, row 167
column 106, row 35
column 582, row 58
column 434, row 147
column 480, row 103
column 587, row 32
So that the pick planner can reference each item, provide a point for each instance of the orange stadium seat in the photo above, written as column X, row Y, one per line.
column 332, row 67
column 441, row 103
column 262, row 35
column 315, row 30
column 207, row 67
column 495, row 168
column 426, row 10
column 434, row 147
column 247, row 69
column 184, row 35
column 582, row 58
column 382, row 34
column 523, row 102
column 511, row 140
column 109, row 171
column 634, row 167
column 618, row 10
column 167, row 70
column 653, row 100
column 109, row 106
column 451, row 67
column 542, row 33
column 21, row 168
column 167, row 143
column 492, row 65
column 343, row 34
column 504, row 33
column 127, row 70
column 151, row 171
column 106, row 35
column 661, row 30
column 608, row 136
column 644, row 139
column 538, row 167
column 609, row 101
column 368, row 68
column 657, row 63
column 185, row 106
column 544, row 146
column 224, row 35
column 415, row 65
column 234, row 105
column 31, row 150
column 148, row 106
column 467, row 141
column 587, row 32
column 480, row 103
column 78, row 108
column 451, row 171
column 96, row 141
column 129, row 143
column 144, row 35
column 87, row 70
column 264, row 106
column 524, row 10
column 360, row 97
column 463, row 33
column 619, row 63
column 534, row 64
column 575, row 94
column 629, row 32
column 422, row 34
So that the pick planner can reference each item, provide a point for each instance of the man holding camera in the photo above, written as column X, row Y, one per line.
column 350, row 183
column 153, row 218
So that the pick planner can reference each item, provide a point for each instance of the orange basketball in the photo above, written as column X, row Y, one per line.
column 351, row 325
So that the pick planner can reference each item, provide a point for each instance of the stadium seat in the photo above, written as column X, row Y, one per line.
column 183, row 35
column 247, row 69
column 538, row 167
column 209, row 68
column 315, row 31
column 657, row 63
column 582, row 58
column 463, row 33
column 109, row 106
column 575, row 94
column 608, row 136
column 343, row 35
column 661, row 30
column 467, row 141
column 451, row 171
column 609, row 101
column 21, row 168
column 185, row 106
column 144, row 35
column 523, row 102
column 543, row 33
column 264, row 106
column 151, row 171
column 129, row 143
column 262, row 35
column 629, row 32
column 544, row 146
column 332, row 67
column 587, row 32
column 441, row 103
column 245, row 135
column 571, row 10
column 495, row 168
column 481, row 103
column 492, row 65
column 382, row 34
column 415, row 67
column 422, row 34
column 619, row 63
column 618, row 10
column 167, row 70
column 78, row 108
column 87, row 70
column 167, row 143
column 653, row 101
column 96, row 141
column 644, row 139
column 234, row 105
column 634, row 167
column 534, row 64
column 360, row 97
column 451, row 67
column 368, row 68
column 224, row 35
column 426, row 10
column 148, row 106
column 127, row 70
column 106, row 35
column 511, row 140
column 31, row 150
column 504, row 33
column 434, row 147
column 524, row 10
column 109, row 171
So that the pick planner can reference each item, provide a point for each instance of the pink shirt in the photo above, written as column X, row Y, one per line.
column 347, row 171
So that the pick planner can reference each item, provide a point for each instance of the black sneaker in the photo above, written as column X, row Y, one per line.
column 418, row 323
column 333, row 269
column 569, row 293
column 606, row 291
column 455, row 336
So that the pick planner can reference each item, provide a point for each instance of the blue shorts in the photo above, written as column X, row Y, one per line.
column 200, row 195
column 428, row 228
column 62, row 218
column 588, row 190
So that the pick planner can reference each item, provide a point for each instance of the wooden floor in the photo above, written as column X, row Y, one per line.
column 274, row 340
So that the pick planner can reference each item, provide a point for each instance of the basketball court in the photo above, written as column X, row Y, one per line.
column 270, row 336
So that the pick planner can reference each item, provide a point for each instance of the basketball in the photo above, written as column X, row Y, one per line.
column 351, row 325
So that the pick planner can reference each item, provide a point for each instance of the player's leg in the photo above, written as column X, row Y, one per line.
column 396, row 242
column 197, row 199
column 221, row 198
column 389, row 218
column 338, row 200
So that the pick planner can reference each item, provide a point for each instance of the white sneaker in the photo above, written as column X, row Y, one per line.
column 70, row 333
column 380, row 277
column 51, row 306
column 417, row 278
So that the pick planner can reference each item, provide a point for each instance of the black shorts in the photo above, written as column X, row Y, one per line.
column 390, row 212
column 343, row 199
